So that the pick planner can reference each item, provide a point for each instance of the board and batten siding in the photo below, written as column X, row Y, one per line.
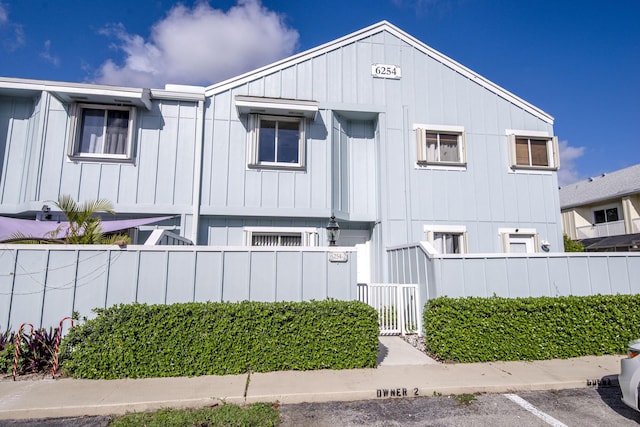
column 229, row 187
column 360, row 153
column 158, row 180
column 19, row 119
column 374, row 176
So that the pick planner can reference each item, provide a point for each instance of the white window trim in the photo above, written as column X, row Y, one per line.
column 75, row 133
column 430, row 230
column 253, row 138
column 310, row 235
column 531, row 233
column 421, row 151
column 553, row 153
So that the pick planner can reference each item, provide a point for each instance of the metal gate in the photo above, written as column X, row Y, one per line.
column 397, row 306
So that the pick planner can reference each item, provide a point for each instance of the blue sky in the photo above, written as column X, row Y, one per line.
column 577, row 60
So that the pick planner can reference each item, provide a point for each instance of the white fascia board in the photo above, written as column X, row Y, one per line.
column 368, row 32
column 295, row 59
column 445, row 228
column 73, row 92
column 139, row 97
column 528, row 133
column 20, row 84
column 179, row 93
column 471, row 75
column 289, row 107
column 443, row 128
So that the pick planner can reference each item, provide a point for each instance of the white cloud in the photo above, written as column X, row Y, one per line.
column 568, row 172
column 11, row 34
column 4, row 17
column 47, row 56
column 199, row 45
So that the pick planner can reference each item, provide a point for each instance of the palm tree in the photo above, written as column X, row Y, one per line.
column 85, row 228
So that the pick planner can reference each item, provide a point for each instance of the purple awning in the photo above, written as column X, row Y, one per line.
column 9, row 227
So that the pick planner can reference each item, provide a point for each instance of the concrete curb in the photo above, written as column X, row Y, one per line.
column 70, row 398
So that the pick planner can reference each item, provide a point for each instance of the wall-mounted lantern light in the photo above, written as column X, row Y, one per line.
column 333, row 231
column 46, row 212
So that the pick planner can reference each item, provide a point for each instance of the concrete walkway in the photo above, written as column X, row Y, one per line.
column 394, row 351
column 403, row 372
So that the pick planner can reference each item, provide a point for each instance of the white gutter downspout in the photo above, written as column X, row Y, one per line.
column 197, row 172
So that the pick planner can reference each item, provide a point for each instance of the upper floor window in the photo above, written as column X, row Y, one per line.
column 102, row 132
column 440, row 145
column 533, row 151
column 276, row 141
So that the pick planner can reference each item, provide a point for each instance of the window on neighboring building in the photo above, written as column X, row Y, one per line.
column 102, row 132
column 440, row 145
column 447, row 239
column 280, row 236
column 605, row 215
column 277, row 141
column 534, row 152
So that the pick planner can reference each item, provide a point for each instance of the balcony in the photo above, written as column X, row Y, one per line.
column 605, row 229
column 636, row 225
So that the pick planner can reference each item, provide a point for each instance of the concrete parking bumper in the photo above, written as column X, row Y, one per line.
column 419, row 376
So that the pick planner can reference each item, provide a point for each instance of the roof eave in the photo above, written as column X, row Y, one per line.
column 81, row 92
column 599, row 199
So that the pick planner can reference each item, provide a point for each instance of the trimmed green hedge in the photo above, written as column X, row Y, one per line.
column 138, row 340
column 7, row 353
column 489, row 329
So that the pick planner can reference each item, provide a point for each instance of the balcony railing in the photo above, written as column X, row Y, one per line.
column 636, row 225
column 605, row 229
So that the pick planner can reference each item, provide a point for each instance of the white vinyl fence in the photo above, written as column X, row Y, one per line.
column 515, row 275
column 398, row 306
column 42, row 284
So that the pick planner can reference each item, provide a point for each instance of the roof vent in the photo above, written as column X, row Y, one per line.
column 590, row 179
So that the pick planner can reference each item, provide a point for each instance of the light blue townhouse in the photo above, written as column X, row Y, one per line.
column 407, row 148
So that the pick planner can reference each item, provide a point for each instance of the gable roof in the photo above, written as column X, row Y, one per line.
column 368, row 32
column 620, row 183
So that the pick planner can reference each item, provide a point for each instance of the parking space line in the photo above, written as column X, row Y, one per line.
column 535, row 411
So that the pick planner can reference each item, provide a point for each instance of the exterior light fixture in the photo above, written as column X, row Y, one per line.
column 545, row 245
column 46, row 212
column 333, row 231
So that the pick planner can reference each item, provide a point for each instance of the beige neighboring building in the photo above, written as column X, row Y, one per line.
column 604, row 212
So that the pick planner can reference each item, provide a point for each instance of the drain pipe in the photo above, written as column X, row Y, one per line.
column 197, row 172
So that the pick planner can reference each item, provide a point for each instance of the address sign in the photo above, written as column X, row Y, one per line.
column 386, row 71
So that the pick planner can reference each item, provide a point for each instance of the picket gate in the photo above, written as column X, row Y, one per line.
column 397, row 306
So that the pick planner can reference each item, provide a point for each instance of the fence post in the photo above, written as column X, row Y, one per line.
column 402, row 303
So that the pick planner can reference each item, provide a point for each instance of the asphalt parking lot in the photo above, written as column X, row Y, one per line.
column 574, row 407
